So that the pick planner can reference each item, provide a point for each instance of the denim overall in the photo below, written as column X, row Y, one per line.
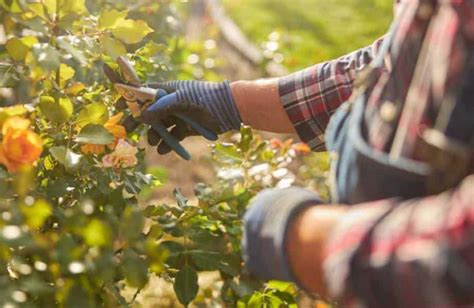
column 360, row 173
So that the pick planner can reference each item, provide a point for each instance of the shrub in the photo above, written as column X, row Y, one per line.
column 71, row 225
column 72, row 232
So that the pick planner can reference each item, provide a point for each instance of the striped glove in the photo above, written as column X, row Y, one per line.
column 210, row 104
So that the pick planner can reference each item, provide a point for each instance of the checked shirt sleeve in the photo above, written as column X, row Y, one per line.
column 311, row 96
column 416, row 253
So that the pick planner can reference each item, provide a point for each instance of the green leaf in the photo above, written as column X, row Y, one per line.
column 186, row 285
column 131, row 31
column 182, row 201
column 37, row 213
column 155, row 232
column 47, row 56
column 206, row 260
column 12, row 111
column 132, row 224
column 75, row 7
column 65, row 73
column 95, row 113
column 96, row 233
column 8, row 75
column 108, row 19
column 150, row 49
column 257, row 300
column 152, row 211
column 19, row 48
column 281, row 286
column 135, row 269
column 94, row 134
column 246, row 137
column 11, row 5
column 113, row 47
column 287, row 298
column 50, row 6
column 66, row 157
column 78, row 297
column 175, row 253
column 231, row 264
column 56, row 111
column 75, row 53
column 37, row 8
column 229, row 150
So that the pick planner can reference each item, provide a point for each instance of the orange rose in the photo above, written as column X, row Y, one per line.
column 276, row 143
column 302, row 148
column 115, row 129
column 21, row 147
column 92, row 149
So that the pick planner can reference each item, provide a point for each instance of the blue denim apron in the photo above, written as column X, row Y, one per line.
column 360, row 173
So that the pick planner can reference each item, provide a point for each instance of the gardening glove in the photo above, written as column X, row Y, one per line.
column 210, row 104
column 265, row 227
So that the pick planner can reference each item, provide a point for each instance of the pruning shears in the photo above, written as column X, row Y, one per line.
column 139, row 98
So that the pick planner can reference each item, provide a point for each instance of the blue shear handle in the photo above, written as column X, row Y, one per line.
column 206, row 133
column 171, row 140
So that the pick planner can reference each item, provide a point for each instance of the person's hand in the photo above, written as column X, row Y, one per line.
column 266, row 224
column 208, row 103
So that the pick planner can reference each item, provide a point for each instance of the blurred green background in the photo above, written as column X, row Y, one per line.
column 299, row 33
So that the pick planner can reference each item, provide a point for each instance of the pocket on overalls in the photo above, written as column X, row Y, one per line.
column 360, row 173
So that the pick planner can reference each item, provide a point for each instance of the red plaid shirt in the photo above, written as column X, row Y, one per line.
column 397, row 253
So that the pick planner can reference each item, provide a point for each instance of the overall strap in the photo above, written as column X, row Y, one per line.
column 448, row 147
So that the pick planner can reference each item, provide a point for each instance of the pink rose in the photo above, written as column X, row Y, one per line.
column 123, row 156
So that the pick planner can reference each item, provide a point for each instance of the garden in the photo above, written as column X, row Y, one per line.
column 92, row 217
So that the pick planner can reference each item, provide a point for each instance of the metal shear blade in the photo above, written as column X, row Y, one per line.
column 128, row 72
column 140, row 95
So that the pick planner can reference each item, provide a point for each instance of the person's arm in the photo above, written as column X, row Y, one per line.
column 416, row 253
column 259, row 105
column 304, row 101
column 308, row 234
column 301, row 102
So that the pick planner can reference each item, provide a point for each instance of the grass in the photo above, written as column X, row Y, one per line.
column 312, row 31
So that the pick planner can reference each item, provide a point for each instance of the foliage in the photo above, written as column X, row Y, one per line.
column 71, row 229
column 302, row 33
column 206, row 235
column 72, row 232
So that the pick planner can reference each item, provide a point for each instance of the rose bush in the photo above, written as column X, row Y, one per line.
column 71, row 231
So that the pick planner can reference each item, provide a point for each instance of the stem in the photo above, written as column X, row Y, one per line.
column 56, row 33
column 69, row 138
column 185, row 241
column 100, row 32
column 135, row 296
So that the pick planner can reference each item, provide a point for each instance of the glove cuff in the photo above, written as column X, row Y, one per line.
column 266, row 225
column 213, row 96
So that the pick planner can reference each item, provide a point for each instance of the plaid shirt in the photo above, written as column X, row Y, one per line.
column 397, row 253
column 311, row 96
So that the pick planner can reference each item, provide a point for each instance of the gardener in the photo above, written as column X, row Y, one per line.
column 402, row 153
